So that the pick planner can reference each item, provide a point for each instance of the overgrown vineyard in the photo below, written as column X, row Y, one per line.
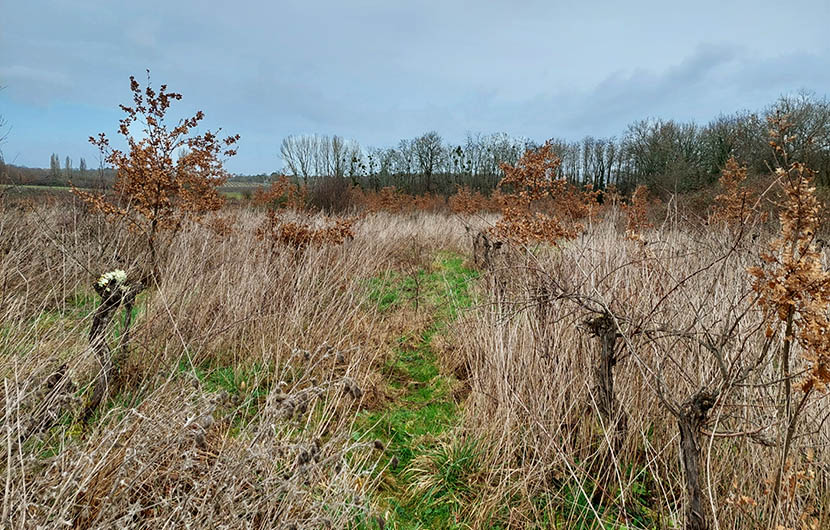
column 545, row 357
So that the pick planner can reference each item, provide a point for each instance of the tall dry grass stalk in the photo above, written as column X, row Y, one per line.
column 690, row 352
column 235, row 403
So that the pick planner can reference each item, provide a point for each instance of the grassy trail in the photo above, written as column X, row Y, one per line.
column 418, row 489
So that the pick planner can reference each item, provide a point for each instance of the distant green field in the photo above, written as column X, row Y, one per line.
column 34, row 187
column 239, row 192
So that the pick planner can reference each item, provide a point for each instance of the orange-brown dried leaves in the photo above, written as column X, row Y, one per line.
column 792, row 281
column 428, row 202
column 301, row 235
column 282, row 194
column 388, row 199
column 155, row 190
column 636, row 211
column 467, row 201
column 536, row 206
column 734, row 206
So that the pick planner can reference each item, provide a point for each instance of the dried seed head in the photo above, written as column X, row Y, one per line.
column 206, row 421
column 350, row 387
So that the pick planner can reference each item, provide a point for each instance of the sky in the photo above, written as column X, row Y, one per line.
column 380, row 70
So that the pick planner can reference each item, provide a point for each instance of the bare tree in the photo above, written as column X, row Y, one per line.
column 323, row 164
column 569, row 153
column 665, row 155
column 379, row 165
column 429, row 154
column 54, row 166
column 404, row 160
column 338, row 148
column 298, row 154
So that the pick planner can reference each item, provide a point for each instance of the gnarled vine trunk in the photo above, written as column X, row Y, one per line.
column 612, row 417
column 112, row 297
column 692, row 415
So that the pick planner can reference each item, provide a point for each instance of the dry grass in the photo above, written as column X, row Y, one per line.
column 531, row 359
column 250, row 363
column 235, row 405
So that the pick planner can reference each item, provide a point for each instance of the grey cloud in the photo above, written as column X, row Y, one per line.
column 377, row 70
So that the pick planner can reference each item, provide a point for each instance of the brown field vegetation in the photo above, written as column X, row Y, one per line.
column 547, row 356
column 248, row 365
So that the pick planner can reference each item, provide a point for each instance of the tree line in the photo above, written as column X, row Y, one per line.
column 57, row 174
column 666, row 155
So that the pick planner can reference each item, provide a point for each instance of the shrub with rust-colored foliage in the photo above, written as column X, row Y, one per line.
column 301, row 235
column 428, row 202
column 735, row 204
column 468, row 201
column 537, row 206
column 577, row 204
column 611, row 197
column 278, row 229
column 793, row 283
column 392, row 200
column 793, row 286
column 637, row 213
column 156, row 190
column 282, row 194
column 388, row 199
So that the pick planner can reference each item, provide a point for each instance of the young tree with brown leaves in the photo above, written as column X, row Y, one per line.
column 156, row 191
column 735, row 204
column 794, row 289
column 636, row 211
column 532, row 190
column 282, row 194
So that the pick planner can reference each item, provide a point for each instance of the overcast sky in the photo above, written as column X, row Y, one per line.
column 378, row 71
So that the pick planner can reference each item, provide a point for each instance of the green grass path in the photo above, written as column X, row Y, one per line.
column 411, row 425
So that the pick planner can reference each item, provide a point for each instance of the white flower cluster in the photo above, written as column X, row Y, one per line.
column 118, row 276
